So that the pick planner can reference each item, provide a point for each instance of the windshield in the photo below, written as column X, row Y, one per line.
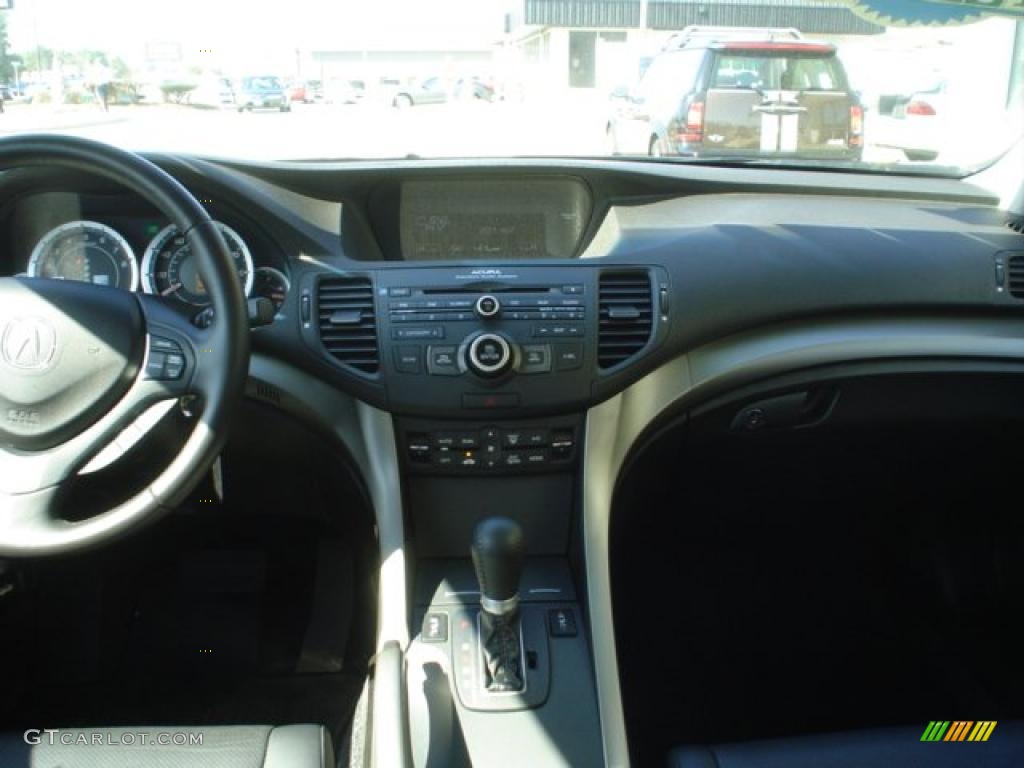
column 823, row 83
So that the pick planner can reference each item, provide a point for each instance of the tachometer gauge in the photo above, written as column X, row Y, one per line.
column 86, row 251
column 169, row 269
column 271, row 284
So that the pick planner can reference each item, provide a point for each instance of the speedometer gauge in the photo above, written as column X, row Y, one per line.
column 169, row 268
column 88, row 252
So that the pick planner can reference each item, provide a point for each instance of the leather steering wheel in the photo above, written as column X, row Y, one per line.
column 79, row 363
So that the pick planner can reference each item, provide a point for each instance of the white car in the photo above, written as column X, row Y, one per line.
column 913, row 121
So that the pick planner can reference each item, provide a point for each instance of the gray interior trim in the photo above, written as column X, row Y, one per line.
column 615, row 425
column 389, row 718
column 382, row 476
column 612, row 428
column 369, row 436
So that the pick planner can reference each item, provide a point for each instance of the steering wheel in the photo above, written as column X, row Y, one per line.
column 79, row 363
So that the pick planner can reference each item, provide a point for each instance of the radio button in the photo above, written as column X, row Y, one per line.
column 568, row 357
column 417, row 333
column 443, row 361
column 536, row 358
column 408, row 359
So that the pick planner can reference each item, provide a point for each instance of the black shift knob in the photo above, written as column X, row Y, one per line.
column 498, row 558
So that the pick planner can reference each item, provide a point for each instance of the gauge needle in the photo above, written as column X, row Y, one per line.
column 170, row 289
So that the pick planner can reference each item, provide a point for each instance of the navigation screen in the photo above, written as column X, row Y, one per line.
column 492, row 219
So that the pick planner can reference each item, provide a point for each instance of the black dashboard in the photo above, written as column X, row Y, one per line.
column 527, row 290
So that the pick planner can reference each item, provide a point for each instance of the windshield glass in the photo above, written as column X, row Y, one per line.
column 825, row 83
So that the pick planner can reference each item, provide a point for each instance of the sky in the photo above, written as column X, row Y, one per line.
column 247, row 31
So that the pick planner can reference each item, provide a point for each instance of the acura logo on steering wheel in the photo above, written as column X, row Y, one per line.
column 28, row 343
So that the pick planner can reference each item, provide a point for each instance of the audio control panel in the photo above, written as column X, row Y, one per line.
column 503, row 340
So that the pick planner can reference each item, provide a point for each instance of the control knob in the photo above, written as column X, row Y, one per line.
column 489, row 355
column 488, row 306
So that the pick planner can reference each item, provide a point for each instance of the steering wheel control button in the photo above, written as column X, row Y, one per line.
column 489, row 354
column 155, row 365
column 488, row 306
column 536, row 358
column 166, row 360
column 443, row 361
column 562, row 622
column 408, row 359
column 174, row 367
column 435, row 628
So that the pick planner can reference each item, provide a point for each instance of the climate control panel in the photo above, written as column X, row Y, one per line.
column 502, row 447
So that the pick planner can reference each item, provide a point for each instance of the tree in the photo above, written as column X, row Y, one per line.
column 6, row 64
column 38, row 59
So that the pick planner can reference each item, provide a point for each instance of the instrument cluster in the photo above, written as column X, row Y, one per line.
column 95, row 252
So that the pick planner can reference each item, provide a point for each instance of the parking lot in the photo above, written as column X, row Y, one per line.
column 467, row 129
column 328, row 131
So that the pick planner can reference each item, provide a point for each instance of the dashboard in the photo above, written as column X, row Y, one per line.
column 524, row 289
column 500, row 336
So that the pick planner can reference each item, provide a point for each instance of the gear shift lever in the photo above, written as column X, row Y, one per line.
column 498, row 559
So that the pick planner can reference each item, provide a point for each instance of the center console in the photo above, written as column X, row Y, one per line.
column 487, row 372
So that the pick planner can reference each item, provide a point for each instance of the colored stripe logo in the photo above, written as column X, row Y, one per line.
column 959, row 730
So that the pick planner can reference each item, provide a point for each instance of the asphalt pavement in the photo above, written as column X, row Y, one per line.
column 459, row 129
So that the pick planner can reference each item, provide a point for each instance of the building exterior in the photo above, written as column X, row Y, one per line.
column 405, row 58
column 598, row 44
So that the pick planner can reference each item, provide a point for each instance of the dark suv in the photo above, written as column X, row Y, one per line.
column 741, row 98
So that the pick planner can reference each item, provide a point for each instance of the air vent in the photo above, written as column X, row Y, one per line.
column 626, row 322
column 348, row 324
column 1015, row 275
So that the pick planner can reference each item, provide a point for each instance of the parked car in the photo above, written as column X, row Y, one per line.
column 740, row 98
column 261, row 92
column 213, row 91
column 433, row 90
column 474, row 88
column 913, row 118
column 342, row 91
column 304, row 91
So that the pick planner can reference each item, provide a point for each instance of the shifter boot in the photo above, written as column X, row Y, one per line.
column 500, row 642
